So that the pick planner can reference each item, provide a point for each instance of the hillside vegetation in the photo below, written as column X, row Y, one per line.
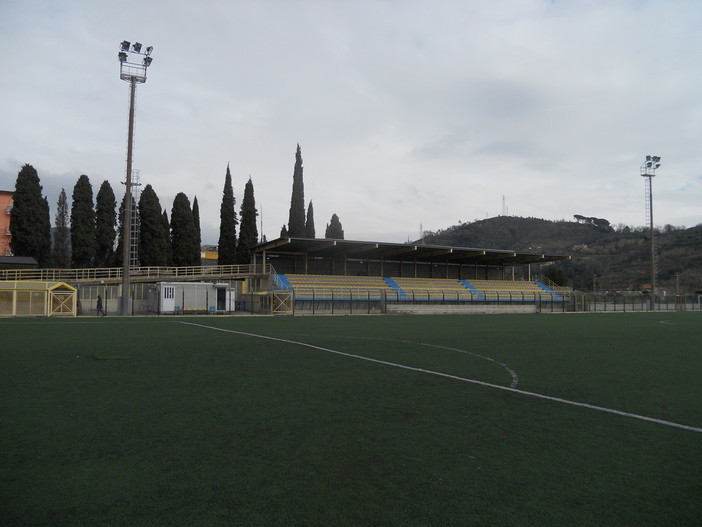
column 603, row 258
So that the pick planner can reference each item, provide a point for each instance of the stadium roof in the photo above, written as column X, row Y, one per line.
column 360, row 250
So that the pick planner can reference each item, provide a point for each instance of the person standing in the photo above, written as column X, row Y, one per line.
column 100, row 310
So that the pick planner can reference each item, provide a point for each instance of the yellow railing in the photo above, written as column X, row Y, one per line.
column 142, row 274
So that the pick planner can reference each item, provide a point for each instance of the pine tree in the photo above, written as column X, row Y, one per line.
column 183, row 235
column 248, row 232
column 334, row 230
column 284, row 232
column 83, row 243
column 153, row 237
column 61, row 252
column 196, row 217
column 227, row 224
column 30, row 225
column 309, row 222
column 105, row 222
column 296, row 220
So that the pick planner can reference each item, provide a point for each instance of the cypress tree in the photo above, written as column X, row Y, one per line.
column 120, row 231
column 169, row 245
column 83, row 243
column 284, row 232
column 196, row 218
column 153, row 238
column 183, row 235
column 309, row 222
column 227, row 224
column 61, row 252
column 334, row 230
column 30, row 225
column 47, row 221
column 296, row 220
column 248, row 232
column 105, row 222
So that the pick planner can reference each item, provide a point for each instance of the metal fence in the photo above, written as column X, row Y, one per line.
column 114, row 274
column 354, row 301
column 614, row 302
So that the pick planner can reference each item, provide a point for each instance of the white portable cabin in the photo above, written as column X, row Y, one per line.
column 195, row 297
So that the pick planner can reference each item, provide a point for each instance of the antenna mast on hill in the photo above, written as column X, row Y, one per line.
column 505, row 212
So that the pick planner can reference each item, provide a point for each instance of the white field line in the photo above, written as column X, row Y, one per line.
column 456, row 378
column 512, row 373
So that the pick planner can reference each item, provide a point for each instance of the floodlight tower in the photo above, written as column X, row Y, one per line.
column 132, row 68
column 648, row 171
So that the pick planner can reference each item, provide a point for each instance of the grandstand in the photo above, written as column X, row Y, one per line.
column 328, row 275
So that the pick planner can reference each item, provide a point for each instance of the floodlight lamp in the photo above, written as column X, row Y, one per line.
column 657, row 165
column 648, row 164
column 125, row 45
column 149, row 50
column 648, row 158
column 136, row 47
column 147, row 61
column 656, row 159
column 122, row 56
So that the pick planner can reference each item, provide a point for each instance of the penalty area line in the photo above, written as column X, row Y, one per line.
column 456, row 378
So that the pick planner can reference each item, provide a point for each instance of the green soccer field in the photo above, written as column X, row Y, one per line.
column 509, row 420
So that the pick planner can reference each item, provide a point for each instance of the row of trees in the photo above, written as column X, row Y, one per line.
column 602, row 224
column 86, row 236
column 301, row 225
column 90, row 233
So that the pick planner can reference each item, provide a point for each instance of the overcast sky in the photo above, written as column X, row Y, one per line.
column 408, row 112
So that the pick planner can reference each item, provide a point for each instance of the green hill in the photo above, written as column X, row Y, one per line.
column 602, row 258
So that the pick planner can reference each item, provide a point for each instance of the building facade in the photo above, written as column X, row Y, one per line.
column 5, row 210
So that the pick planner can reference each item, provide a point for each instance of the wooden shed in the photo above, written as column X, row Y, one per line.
column 24, row 298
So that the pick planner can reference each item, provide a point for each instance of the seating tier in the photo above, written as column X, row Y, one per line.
column 308, row 286
column 322, row 287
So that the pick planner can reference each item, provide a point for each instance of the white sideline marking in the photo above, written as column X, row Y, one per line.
column 456, row 378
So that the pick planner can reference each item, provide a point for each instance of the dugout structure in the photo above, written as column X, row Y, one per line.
column 38, row 299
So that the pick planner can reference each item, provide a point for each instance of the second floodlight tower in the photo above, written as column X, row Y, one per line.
column 648, row 171
column 133, row 63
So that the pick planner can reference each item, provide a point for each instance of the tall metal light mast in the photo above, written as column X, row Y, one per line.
column 648, row 171
column 132, row 68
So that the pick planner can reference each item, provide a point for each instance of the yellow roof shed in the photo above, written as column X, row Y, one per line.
column 37, row 299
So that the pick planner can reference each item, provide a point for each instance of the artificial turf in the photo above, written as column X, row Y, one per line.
column 149, row 421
